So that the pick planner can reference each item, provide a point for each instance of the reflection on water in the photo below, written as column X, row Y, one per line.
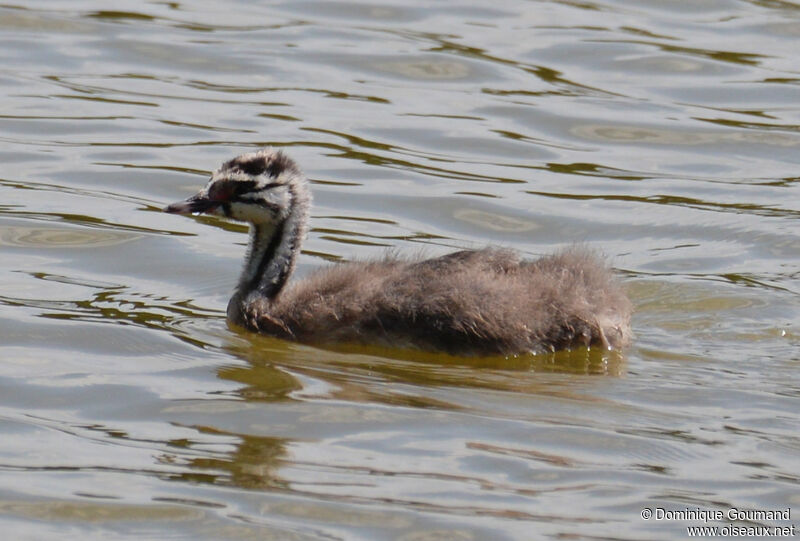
column 423, row 69
column 254, row 465
column 130, row 408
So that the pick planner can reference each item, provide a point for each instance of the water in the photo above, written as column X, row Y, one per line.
column 663, row 133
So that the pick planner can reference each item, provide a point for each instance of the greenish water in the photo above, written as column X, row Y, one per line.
column 666, row 134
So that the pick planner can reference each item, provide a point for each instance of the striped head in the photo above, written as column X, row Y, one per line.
column 263, row 187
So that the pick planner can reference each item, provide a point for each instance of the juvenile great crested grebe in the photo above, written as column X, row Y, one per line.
column 471, row 302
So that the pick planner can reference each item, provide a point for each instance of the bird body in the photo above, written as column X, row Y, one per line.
column 470, row 302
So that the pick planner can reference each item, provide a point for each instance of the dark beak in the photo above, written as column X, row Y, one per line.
column 196, row 203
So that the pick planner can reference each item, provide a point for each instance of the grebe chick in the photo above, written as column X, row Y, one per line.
column 471, row 302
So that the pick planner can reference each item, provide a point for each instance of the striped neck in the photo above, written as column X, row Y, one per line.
column 270, row 260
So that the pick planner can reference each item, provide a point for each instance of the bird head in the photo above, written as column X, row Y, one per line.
column 258, row 187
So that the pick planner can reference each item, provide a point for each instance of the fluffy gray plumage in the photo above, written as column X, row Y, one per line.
column 481, row 302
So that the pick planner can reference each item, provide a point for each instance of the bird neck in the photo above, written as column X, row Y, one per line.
column 270, row 259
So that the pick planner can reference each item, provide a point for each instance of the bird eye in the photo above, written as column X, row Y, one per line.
column 225, row 190
column 220, row 191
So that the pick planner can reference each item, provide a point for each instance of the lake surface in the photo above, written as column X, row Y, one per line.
column 664, row 133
